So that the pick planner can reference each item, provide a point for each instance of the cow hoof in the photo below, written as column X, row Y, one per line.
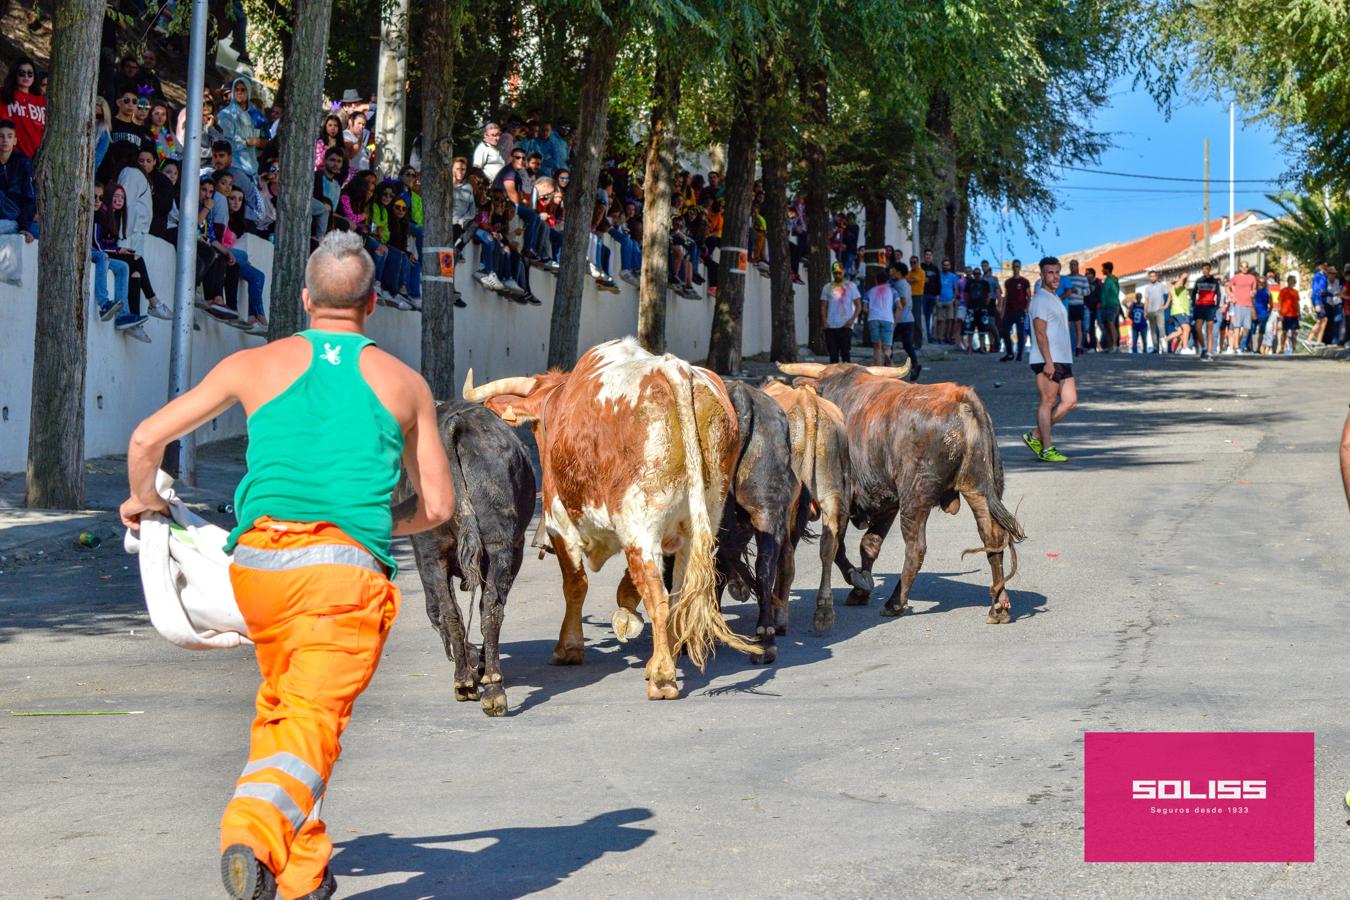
column 627, row 625
column 999, row 617
column 568, row 656
column 766, row 656
column 824, row 618
column 662, row 690
column 892, row 611
column 780, row 630
column 494, row 700
column 862, row 580
column 465, row 690
column 858, row 597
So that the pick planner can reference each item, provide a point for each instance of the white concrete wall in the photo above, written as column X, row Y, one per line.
column 127, row 380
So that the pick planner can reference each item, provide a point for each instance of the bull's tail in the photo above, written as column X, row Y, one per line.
column 696, row 621
column 470, row 540
column 812, row 413
column 982, row 473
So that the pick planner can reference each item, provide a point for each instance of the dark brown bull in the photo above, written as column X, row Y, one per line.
column 481, row 545
column 913, row 447
column 763, row 505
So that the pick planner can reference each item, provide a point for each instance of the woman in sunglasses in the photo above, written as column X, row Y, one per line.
column 24, row 105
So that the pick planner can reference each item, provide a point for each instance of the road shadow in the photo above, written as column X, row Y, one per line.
column 34, row 599
column 932, row 593
column 525, row 664
column 516, row 862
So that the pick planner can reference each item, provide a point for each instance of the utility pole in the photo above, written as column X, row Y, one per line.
column 1205, row 227
column 1232, row 209
column 182, row 460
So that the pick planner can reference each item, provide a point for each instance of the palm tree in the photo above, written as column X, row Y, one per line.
column 1311, row 229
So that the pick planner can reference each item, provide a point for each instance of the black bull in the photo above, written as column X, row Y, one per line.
column 481, row 545
column 913, row 447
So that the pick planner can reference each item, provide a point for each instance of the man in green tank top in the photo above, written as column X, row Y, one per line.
column 330, row 419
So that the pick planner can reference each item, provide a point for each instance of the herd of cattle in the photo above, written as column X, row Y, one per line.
column 663, row 462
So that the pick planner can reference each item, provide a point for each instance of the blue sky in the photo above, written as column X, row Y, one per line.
column 1144, row 142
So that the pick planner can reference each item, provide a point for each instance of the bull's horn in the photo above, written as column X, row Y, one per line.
column 809, row 370
column 517, row 384
column 889, row 371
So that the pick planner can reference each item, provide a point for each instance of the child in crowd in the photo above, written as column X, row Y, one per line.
column 1138, row 325
column 1289, row 311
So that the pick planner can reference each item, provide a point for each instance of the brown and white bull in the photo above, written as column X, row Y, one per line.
column 913, row 447
column 637, row 453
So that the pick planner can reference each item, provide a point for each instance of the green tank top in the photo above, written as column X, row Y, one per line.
column 324, row 450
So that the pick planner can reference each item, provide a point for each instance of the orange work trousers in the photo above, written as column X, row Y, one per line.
column 318, row 607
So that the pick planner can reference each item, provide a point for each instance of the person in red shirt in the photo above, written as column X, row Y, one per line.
column 1241, row 289
column 1289, row 310
column 1016, row 295
column 21, row 104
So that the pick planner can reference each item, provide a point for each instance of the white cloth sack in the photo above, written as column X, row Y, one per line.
column 185, row 574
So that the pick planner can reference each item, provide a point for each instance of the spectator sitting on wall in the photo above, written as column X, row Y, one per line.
column 163, row 192
column 237, row 127
column 22, row 103
column 124, row 127
column 166, row 142
column 147, row 79
column 327, row 195
column 222, row 159
column 18, row 196
column 330, row 136
column 486, row 155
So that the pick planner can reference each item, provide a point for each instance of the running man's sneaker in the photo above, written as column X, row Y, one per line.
column 160, row 311
column 1050, row 454
column 245, row 878
column 1033, row 442
column 127, row 321
column 137, row 332
column 107, row 310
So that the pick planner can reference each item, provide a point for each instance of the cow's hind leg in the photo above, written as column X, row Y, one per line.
column 497, row 583
column 833, row 526
column 768, row 547
column 914, row 528
column 993, row 536
column 869, row 549
column 443, row 609
column 646, row 576
column 571, row 647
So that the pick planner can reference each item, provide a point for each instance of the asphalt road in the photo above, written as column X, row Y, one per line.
column 1185, row 571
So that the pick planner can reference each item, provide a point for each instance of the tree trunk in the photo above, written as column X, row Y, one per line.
column 661, row 144
column 724, row 344
column 303, row 89
column 940, row 206
column 439, row 30
column 874, row 211
column 65, row 187
column 392, row 112
column 815, row 97
column 783, row 342
column 579, row 201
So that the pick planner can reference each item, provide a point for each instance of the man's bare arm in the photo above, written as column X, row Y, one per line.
column 198, row 406
column 428, row 470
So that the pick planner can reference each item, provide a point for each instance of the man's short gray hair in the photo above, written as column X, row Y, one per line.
column 340, row 273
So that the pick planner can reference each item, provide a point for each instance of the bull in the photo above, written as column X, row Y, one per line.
column 481, row 545
column 637, row 453
column 913, row 447
column 763, row 505
column 821, row 462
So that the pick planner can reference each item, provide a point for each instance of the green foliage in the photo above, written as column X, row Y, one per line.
column 1285, row 63
column 1310, row 229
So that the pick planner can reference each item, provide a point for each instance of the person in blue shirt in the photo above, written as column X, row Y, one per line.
column 1138, row 325
column 1318, row 289
column 1261, row 311
column 945, row 321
